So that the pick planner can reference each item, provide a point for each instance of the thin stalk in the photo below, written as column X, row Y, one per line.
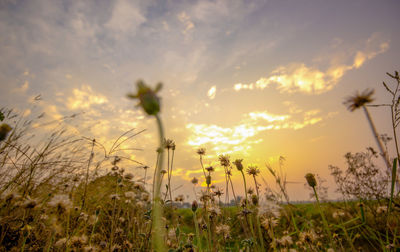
column 198, row 238
column 245, row 193
column 157, row 227
column 377, row 139
column 87, row 175
column 323, row 216
column 396, row 144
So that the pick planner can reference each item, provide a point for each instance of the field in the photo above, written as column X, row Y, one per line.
column 55, row 197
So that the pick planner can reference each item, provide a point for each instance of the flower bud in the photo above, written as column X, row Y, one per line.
column 208, row 180
column 238, row 163
column 195, row 205
column 4, row 130
column 311, row 179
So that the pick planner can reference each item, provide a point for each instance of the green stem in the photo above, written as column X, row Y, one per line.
column 198, row 238
column 249, row 219
column 157, row 227
column 323, row 216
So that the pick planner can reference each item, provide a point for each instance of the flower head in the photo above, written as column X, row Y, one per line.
column 238, row 163
column 358, row 100
column 201, row 151
column 148, row 98
column 224, row 160
column 312, row 182
column 210, row 169
column 195, row 181
column 169, row 144
column 253, row 170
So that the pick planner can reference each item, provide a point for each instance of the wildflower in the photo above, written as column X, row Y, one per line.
column 269, row 208
column 381, row 209
column 201, row 151
column 250, row 191
column 145, row 197
column 267, row 223
column 312, row 182
column 308, row 236
column 214, row 210
column 148, row 98
column 223, row 230
column 179, row 198
column 61, row 202
column 172, row 233
column 130, row 194
column 138, row 187
column 195, row 205
column 253, row 170
column 254, row 199
column 194, row 181
column 78, row 241
column 218, row 192
column 169, row 144
column 210, row 169
column 204, row 196
column 285, row 240
column 90, row 249
column 29, row 203
column 359, row 100
column 238, row 163
column 128, row 176
column 114, row 196
column 60, row 243
column 224, row 160
column 338, row 214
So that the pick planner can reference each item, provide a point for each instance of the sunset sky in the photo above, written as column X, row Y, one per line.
column 252, row 79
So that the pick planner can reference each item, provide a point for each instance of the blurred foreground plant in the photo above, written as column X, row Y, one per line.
column 150, row 103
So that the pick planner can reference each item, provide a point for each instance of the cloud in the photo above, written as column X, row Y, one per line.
column 212, row 92
column 125, row 17
column 22, row 89
column 84, row 98
column 300, row 78
column 186, row 21
column 242, row 136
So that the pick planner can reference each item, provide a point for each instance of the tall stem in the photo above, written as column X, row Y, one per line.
column 395, row 141
column 378, row 141
column 157, row 227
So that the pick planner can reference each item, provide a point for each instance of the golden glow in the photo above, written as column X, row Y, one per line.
column 84, row 98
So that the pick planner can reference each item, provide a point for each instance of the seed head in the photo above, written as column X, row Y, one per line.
column 224, row 160
column 359, row 100
column 253, row 170
column 210, row 169
column 238, row 163
column 201, row 151
column 312, row 182
column 128, row 176
column 195, row 181
column 169, row 144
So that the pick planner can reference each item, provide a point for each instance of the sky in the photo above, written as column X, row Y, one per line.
column 255, row 80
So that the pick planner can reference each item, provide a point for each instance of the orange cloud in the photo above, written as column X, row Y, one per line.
column 297, row 77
